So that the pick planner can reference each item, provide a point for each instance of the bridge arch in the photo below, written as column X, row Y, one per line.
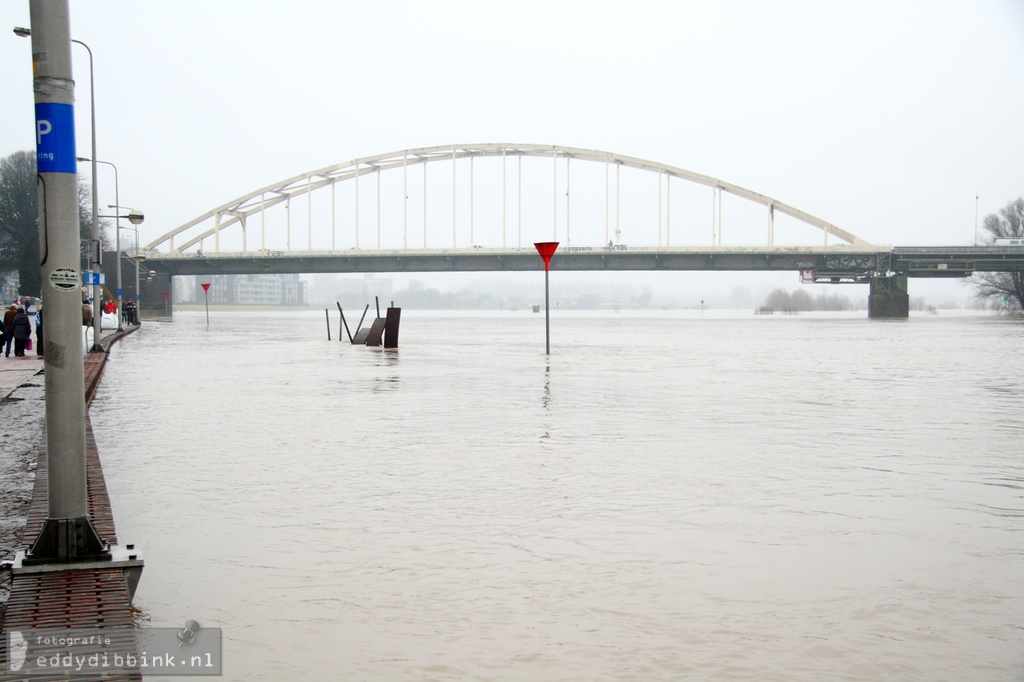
column 235, row 214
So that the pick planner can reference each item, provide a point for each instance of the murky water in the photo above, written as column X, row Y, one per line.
column 668, row 496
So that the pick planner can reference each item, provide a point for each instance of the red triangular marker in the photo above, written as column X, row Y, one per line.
column 546, row 251
column 206, row 287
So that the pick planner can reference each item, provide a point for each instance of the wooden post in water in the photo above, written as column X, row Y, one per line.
column 327, row 314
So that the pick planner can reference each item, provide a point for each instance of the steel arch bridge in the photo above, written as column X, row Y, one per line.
column 232, row 223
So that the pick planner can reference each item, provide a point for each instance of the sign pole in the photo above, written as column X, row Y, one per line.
column 546, row 251
column 68, row 534
column 206, row 293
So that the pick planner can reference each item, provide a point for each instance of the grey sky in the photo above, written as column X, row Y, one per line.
column 884, row 118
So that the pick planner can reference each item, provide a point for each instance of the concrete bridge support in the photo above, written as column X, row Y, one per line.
column 888, row 297
column 157, row 295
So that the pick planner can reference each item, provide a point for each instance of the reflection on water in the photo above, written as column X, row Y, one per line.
column 710, row 498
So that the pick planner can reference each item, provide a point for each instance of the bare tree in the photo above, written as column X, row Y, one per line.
column 1002, row 288
column 19, row 220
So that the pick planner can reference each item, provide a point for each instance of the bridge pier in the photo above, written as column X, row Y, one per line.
column 157, row 295
column 888, row 297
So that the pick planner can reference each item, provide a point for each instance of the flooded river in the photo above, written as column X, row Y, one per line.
column 667, row 496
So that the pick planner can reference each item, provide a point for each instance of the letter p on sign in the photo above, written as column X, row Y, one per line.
column 43, row 127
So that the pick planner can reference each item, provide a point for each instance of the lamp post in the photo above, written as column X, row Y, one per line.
column 117, row 238
column 95, row 257
column 135, row 218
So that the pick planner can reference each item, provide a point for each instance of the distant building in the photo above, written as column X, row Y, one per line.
column 186, row 289
column 349, row 290
column 287, row 290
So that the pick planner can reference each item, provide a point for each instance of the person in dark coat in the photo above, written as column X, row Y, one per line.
column 9, row 326
column 39, row 330
column 22, row 332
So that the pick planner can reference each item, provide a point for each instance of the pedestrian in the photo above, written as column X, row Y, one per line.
column 22, row 332
column 39, row 330
column 9, row 326
column 86, row 313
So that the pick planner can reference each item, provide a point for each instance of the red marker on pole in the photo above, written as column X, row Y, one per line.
column 206, row 292
column 546, row 251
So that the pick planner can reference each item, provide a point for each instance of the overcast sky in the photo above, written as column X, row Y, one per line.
column 885, row 118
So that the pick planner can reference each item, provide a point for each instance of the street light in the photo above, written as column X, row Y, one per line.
column 117, row 238
column 135, row 217
column 22, row 32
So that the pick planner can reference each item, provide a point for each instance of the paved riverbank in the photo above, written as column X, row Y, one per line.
column 64, row 599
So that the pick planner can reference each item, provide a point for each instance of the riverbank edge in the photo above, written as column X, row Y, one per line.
column 75, row 599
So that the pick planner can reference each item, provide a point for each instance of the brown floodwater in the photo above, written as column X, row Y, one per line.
column 667, row 496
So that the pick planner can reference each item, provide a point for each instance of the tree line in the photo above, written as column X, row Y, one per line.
column 1002, row 290
column 799, row 301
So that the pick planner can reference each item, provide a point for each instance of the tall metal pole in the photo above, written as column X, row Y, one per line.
column 554, row 194
column 975, row 219
column 405, row 201
column 504, row 215
column 135, row 217
column 424, row 204
column 546, row 251
column 453, row 198
column 138, row 293
column 68, row 534
column 117, row 247
column 96, row 255
column 547, row 315
column 668, row 209
column 472, row 209
column 117, row 238
column 618, row 203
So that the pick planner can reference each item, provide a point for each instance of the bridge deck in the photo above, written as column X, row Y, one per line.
column 839, row 260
